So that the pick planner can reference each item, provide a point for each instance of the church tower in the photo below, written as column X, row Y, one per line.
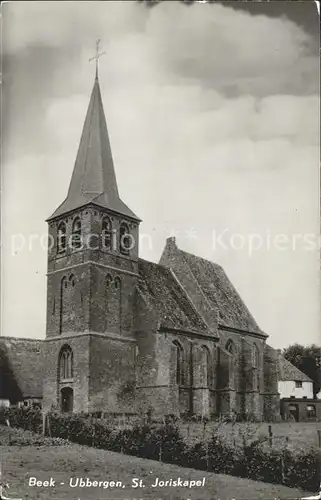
column 92, row 273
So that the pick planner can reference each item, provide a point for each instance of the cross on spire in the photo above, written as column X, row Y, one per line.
column 97, row 56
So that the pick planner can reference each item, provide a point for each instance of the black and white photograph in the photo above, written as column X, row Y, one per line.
column 160, row 251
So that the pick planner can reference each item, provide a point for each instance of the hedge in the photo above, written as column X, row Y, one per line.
column 163, row 442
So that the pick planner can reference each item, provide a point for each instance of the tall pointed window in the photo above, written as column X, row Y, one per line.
column 256, row 365
column 113, row 304
column 63, row 286
column 117, row 283
column 179, row 362
column 76, row 233
column 109, row 280
column 66, row 369
column 230, row 347
column 106, row 233
column 256, row 356
column 124, row 239
column 61, row 238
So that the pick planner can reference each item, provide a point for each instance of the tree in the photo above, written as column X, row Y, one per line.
column 308, row 360
column 152, row 3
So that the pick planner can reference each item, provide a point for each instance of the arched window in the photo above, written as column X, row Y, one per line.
column 76, row 233
column 109, row 280
column 179, row 363
column 63, row 286
column 124, row 239
column 72, row 280
column 61, row 238
column 113, row 303
column 106, row 230
column 230, row 347
column 206, row 366
column 64, row 282
column 256, row 356
column 66, row 369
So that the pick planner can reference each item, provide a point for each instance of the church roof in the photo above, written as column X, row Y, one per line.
column 210, row 289
column 21, row 366
column 287, row 371
column 164, row 295
column 93, row 179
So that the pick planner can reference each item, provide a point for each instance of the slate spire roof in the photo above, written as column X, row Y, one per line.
column 93, row 179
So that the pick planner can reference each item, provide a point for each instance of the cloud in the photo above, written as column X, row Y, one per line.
column 234, row 51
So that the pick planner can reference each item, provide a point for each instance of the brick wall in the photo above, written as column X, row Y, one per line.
column 302, row 406
column 82, row 307
column 80, row 384
column 271, row 398
column 111, row 374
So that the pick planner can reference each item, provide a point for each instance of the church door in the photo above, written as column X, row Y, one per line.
column 67, row 396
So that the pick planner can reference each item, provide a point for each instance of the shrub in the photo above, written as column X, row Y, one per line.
column 162, row 441
column 25, row 418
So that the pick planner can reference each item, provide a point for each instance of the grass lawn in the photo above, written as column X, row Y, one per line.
column 19, row 463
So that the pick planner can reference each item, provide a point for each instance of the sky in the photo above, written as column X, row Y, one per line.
column 213, row 117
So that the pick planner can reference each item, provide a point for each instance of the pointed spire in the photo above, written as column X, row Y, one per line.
column 93, row 179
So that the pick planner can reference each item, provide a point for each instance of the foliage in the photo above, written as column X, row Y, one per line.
column 20, row 437
column 153, row 3
column 163, row 441
column 308, row 360
column 25, row 418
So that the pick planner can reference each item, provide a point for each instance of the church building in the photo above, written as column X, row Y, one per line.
column 126, row 335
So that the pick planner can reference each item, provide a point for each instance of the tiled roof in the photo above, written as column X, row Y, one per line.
column 165, row 296
column 287, row 371
column 210, row 285
column 21, row 363
column 93, row 179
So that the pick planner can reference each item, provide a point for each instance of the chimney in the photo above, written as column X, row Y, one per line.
column 171, row 242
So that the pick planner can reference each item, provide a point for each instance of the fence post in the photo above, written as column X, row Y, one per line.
column 282, row 469
column 207, row 458
column 204, row 429
column 44, row 418
column 9, row 439
column 49, row 425
column 319, row 437
column 270, row 434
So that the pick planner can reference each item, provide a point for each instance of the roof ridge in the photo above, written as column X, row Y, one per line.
column 20, row 338
column 201, row 258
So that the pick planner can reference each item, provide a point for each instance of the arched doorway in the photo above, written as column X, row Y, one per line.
column 66, row 399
